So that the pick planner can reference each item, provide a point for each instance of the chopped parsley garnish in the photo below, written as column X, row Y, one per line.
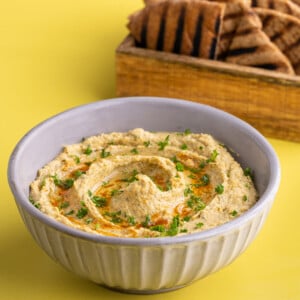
column 187, row 131
column 179, row 167
column 88, row 150
column 147, row 143
column 64, row 184
column 213, row 156
column 78, row 173
column 97, row 200
column 234, row 213
column 205, row 179
column 164, row 143
column 115, row 216
column 199, row 225
column 159, row 228
column 104, row 153
column 64, row 205
column 219, row 189
column 174, row 226
column 132, row 178
column 248, row 172
column 76, row 159
column 35, row 204
column 42, row 184
column 187, row 191
column 183, row 146
column 195, row 203
column 186, row 218
column 168, row 186
column 89, row 220
column 202, row 165
column 134, row 151
column 194, row 170
column 245, row 198
column 131, row 220
column 147, row 221
column 192, row 176
column 82, row 212
column 115, row 192
column 71, row 212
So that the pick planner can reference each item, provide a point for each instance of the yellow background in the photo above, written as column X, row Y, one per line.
column 59, row 54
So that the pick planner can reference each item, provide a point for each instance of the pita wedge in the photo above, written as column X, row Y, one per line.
column 284, row 31
column 250, row 46
column 149, row 2
column 296, row 2
column 234, row 12
column 284, row 6
column 190, row 27
column 247, row 2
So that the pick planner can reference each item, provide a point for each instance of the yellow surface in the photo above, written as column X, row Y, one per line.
column 60, row 53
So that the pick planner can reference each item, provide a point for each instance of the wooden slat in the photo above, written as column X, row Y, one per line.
column 267, row 100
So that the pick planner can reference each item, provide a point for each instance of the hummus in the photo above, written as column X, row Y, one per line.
column 144, row 184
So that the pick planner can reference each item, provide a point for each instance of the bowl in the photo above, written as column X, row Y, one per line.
column 143, row 265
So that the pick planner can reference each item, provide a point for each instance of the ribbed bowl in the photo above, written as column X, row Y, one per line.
column 143, row 265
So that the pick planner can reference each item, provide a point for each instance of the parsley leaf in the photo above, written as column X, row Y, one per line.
column 187, row 131
column 183, row 146
column 88, row 150
column 104, row 153
column 179, row 166
column 219, row 189
column 82, row 212
column 164, row 143
column 174, row 226
column 213, row 156
column 134, row 151
column 64, row 184
column 132, row 178
column 248, row 172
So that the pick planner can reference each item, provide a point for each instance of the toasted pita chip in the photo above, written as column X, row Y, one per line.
column 149, row 2
column 284, row 6
column 250, row 46
column 296, row 2
column 284, row 31
column 234, row 12
column 190, row 27
column 247, row 2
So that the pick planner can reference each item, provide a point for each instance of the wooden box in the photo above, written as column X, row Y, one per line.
column 267, row 100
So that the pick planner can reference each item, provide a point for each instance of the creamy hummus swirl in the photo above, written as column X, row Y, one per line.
column 144, row 184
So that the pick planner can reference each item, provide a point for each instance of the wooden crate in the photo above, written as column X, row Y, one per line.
column 267, row 100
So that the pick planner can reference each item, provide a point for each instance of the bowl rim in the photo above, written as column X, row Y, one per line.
column 264, row 199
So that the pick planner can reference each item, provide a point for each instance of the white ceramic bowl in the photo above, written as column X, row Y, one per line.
column 143, row 265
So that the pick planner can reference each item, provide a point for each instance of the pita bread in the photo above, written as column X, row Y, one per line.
column 296, row 2
column 246, row 2
column 284, row 31
column 250, row 46
column 234, row 12
column 190, row 27
column 149, row 2
column 284, row 6
column 242, row 32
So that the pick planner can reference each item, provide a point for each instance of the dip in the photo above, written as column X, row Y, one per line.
column 144, row 184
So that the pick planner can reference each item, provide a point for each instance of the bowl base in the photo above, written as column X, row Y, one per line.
column 144, row 292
